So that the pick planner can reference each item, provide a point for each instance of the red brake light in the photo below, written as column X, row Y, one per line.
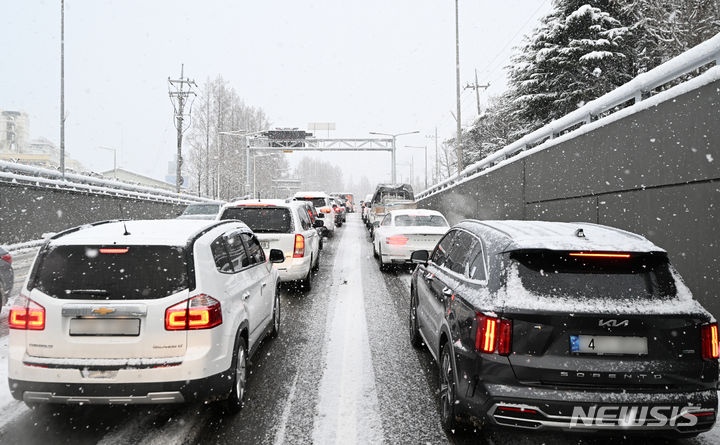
column 7, row 258
column 397, row 240
column 299, row 251
column 27, row 315
column 601, row 255
column 493, row 333
column 114, row 250
column 710, row 348
column 199, row 312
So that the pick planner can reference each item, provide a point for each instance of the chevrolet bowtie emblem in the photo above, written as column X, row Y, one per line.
column 103, row 310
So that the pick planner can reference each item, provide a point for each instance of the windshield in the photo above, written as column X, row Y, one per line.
column 112, row 272
column 317, row 202
column 262, row 219
column 420, row 220
column 559, row 274
column 201, row 209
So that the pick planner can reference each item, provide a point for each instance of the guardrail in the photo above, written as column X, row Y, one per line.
column 42, row 177
column 636, row 90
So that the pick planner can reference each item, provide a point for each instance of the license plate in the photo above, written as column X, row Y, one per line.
column 105, row 327
column 608, row 344
column 265, row 244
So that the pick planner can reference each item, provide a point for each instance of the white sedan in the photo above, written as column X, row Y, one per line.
column 402, row 232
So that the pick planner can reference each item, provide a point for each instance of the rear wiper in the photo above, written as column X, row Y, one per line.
column 87, row 291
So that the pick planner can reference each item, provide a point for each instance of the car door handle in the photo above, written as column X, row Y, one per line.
column 429, row 276
column 246, row 295
column 447, row 291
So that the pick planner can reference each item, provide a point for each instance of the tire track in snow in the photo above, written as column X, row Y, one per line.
column 347, row 402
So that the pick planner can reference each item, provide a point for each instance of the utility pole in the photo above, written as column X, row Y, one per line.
column 477, row 87
column 62, row 88
column 179, row 96
column 458, row 139
column 436, row 175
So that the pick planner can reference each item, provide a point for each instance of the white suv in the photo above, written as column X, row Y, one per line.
column 286, row 226
column 323, row 203
column 134, row 312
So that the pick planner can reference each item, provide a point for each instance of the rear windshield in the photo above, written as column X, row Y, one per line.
column 562, row 275
column 112, row 272
column 262, row 219
column 317, row 202
column 420, row 220
column 202, row 209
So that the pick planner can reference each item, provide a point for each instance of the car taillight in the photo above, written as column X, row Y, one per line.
column 397, row 240
column 710, row 348
column 493, row 334
column 27, row 314
column 200, row 312
column 7, row 258
column 299, row 251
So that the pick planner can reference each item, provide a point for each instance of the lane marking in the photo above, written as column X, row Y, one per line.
column 280, row 435
column 348, row 410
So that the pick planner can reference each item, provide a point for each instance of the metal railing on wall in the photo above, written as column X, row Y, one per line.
column 602, row 109
column 32, row 176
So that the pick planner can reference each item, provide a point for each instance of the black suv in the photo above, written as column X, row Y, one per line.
column 563, row 326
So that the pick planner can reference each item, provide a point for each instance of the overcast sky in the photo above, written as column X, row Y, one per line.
column 371, row 65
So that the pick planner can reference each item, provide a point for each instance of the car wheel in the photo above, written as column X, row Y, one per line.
column 320, row 245
column 447, row 390
column 375, row 253
column 276, row 315
column 235, row 401
column 383, row 267
column 415, row 338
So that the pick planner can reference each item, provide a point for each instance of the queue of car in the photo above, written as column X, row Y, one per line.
column 533, row 325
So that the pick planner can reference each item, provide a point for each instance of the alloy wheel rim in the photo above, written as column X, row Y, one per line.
column 240, row 374
column 446, row 386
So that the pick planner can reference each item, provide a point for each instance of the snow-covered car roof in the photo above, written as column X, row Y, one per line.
column 158, row 232
column 423, row 212
column 565, row 236
column 260, row 202
column 311, row 195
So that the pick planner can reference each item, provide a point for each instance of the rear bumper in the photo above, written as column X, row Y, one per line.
column 400, row 254
column 548, row 409
column 293, row 269
column 215, row 387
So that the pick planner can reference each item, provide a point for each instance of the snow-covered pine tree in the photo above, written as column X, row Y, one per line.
column 580, row 51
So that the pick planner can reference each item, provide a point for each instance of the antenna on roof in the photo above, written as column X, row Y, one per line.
column 580, row 233
column 126, row 230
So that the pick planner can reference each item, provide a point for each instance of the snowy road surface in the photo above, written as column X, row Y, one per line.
column 342, row 371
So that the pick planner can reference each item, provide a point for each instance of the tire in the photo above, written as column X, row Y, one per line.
column 383, row 267
column 415, row 338
column 275, row 329
column 448, row 419
column 234, row 402
column 320, row 245
column 375, row 254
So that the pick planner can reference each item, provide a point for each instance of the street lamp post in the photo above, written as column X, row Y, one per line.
column 393, row 136
column 114, row 159
column 426, row 167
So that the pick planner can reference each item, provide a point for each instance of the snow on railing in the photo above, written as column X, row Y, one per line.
column 14, row 249
column 42, row 177
column 637, row 89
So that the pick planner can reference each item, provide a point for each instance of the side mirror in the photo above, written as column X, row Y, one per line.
column 318, row 224
column 277, row 256
column 419, row 257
